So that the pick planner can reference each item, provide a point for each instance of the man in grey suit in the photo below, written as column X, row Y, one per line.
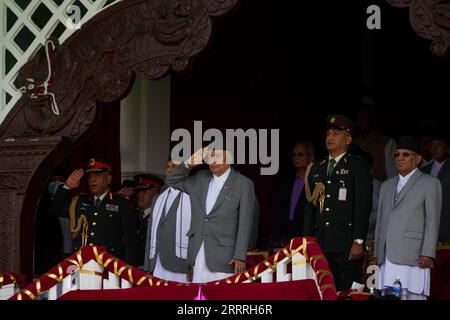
column 408, row 223
column 166, row 246
column 223, row 206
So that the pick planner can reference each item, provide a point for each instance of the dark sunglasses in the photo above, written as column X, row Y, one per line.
column 299, row 154
column 404, row 154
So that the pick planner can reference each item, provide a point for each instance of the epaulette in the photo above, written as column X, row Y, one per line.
column 355, row 156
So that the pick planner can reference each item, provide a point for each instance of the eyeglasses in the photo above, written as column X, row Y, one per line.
column 299, row 154
column 404, row 154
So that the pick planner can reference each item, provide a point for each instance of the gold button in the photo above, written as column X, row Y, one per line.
column 328, row 181
column 95, row 214
column 327, row 224
column 94, row 223
column 92, row 234
column 327, row 209
column 110, row 215
column 328, row 196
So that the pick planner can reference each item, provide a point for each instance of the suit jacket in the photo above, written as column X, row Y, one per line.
column 444, row 178
column 282, row 223
column 253, row 242
column 165, row 241
column 111, row 225
column 226, row 230
column 341, row 222
column 408, row 227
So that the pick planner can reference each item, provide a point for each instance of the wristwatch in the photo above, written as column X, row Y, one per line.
column 359, row 241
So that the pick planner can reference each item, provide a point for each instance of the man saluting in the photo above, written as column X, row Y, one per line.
column 100, row 218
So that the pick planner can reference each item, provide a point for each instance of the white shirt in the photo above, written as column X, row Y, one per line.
column 402, row 181
column 339, row 157
column 102, row 196
column 147, row 212
column 215, row 185
column 171, row 195
column 436, row 168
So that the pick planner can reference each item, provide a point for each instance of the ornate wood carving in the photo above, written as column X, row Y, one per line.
column 431, row 20
column 98, row 63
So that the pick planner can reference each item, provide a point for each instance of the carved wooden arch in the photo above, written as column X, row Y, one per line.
column 430, row 19
column 98, row 63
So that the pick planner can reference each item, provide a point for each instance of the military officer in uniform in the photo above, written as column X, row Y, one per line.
column 100, row 218
column 147, row 187
column 339, row 192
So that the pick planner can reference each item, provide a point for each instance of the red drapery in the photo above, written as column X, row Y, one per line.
column 291, row 290
column 308, row 247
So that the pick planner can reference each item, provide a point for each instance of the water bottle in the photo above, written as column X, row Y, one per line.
column 397, row 288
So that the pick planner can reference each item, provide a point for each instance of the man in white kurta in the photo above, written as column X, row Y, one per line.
column 408, row 223
column 183, row 222
column 202, row 274
column 223, row 206
column 166, row 247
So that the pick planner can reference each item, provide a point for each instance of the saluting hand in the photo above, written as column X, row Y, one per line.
column 239, row 266
column 197, row 157
column 73, row 181
column 126, row 192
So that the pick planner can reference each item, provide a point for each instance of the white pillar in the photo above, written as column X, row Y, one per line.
column 145, row 127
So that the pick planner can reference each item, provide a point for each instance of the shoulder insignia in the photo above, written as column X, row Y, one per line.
column 322, row 162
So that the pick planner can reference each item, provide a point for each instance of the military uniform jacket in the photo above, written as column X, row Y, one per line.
column 141, row 235
column 111, row 225
column 342, row 220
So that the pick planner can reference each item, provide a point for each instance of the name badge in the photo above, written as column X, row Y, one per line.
column 112, row 207
column 342, row 192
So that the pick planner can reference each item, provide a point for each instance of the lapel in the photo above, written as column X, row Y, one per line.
column 225, row 190
column 407, row 187
column 204, row 193
column 393, row 193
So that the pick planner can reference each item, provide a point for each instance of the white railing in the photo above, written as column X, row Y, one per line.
column 61, row 16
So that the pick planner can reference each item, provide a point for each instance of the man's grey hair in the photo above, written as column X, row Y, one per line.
column 309, row 146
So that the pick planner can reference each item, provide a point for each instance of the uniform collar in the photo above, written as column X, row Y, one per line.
column 146, row 212
column 102, row 196
column 338, row 158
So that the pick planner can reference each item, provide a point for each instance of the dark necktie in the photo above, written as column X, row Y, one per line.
column 331, row 164
column 97, row 203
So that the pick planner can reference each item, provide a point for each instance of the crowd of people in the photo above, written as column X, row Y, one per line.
column 369, row 191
